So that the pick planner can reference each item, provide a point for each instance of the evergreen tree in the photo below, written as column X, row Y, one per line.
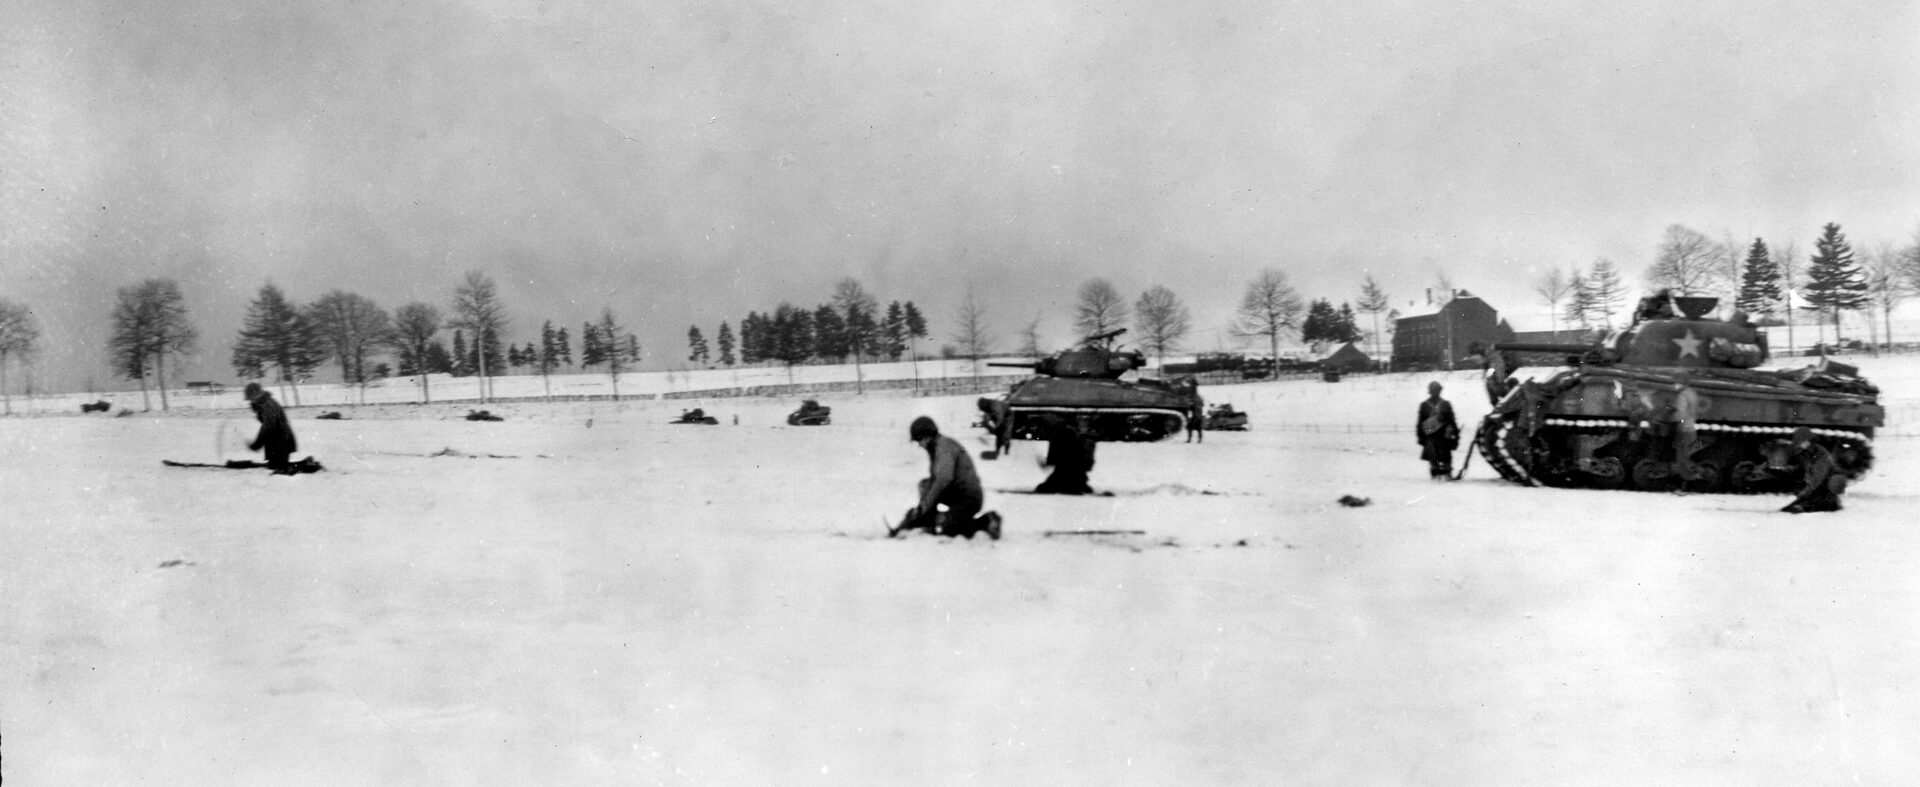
column 548, row 358
column 750, row 340
column 725, row 340
column 593, row 350
column 893, row 332
column 1373, row 301
column 830, row 334
column 1322, row 323
column 562, row 346
column 438, row 359
column 1346, row 327
column 1760, row 291
column 275, row 334
column 1835, row 282
column 462, row 360
column 1605, row 293
column 696, row 345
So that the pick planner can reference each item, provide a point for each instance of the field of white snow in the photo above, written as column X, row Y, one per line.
column 585, row 594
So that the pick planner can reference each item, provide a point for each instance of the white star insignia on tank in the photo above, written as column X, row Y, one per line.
column 1689, row 345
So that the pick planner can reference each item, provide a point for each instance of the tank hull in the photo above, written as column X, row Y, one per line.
column 1118, row 411
column 1665, row 428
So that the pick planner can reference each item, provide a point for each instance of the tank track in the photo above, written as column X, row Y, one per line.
column 1498, row 443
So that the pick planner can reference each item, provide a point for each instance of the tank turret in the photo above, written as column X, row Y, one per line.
column 1095, row 358
column 1674, row 399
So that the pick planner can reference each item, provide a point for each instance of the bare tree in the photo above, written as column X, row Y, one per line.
column 1030, row 339
column 150, row 323
column 19, row 337
column 1163, row 321
column 1553, row 287
column 1270, row 307
column 1100, row 309
column 414, row 326
column 1886, row 286
column 970, row 331
column 1687, row 262
column 1373, row 301
column 477, row 308
column 354, row 325
column 860, row 310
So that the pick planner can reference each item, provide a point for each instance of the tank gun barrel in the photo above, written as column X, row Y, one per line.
column 1010, row 365
column 1544, row 347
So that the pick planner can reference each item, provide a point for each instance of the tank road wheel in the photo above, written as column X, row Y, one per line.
column 1707, row 477
column 1653, row 475
column 1607, row 472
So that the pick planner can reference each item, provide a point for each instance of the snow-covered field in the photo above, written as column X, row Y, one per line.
column 585, row 594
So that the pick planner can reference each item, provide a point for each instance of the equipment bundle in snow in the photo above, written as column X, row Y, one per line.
column 307, row 465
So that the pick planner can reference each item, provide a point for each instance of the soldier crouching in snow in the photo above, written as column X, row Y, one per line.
column 952, row 482
column 276, row 435
column 1821, row 488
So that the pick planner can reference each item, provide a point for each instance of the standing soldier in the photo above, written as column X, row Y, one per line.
column 1437, row 433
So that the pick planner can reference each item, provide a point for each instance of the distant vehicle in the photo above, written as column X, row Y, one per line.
column 1223, row 418
column 695, row 416
column 1609, row 421
column 1086, row 381
column 811, row 413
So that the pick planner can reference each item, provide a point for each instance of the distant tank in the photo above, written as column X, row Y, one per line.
column 1674, row 399
column 1223, row 418
column 695, row 416
column 811, row 413
column 1086, row 381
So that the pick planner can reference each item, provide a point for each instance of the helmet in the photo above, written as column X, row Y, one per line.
column 921, row 428
column 252, row 391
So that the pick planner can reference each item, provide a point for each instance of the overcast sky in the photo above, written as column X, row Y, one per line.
column 686, row 162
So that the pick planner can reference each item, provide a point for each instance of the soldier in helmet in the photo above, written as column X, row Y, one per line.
column 951, row 482
column 1821, row 486
column 1437, row 433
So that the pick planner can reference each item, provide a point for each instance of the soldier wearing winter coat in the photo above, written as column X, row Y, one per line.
column 276, row 435
column 952, row 482
column 1437, row 433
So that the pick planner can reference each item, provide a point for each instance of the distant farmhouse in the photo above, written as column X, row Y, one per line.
column 1442, row 336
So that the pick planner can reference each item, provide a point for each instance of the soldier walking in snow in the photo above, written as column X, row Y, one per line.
column 952, row 482
column 276, row 435
column 1437, row 433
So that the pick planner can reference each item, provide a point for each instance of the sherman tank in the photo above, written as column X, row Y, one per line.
column 1674, row 400
column 1085, row 381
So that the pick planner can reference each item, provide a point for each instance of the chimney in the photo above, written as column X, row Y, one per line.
column 1429, row 296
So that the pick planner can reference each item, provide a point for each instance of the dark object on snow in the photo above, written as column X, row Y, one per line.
column 1354, row 502
column 1052, row 533
column 1223, row 418
column 330, row 415
column 811, row 413
column 302, row 467
column 482, row 415
column 695, row 416
column 96, row 407
column 1330, row 376
column 1087, row 380
column 1070, row 447
column 1674, row 400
